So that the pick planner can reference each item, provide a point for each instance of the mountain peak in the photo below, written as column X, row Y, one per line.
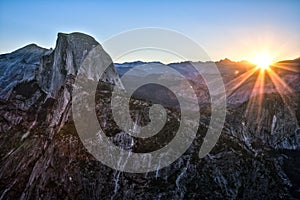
column 50, row 68
column 225, row 61
column 77, row 39
column 32, row 45
column 30, row 48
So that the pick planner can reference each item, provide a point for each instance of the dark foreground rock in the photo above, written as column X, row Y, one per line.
column 42, row 156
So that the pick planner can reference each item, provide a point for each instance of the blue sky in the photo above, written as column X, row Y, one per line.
column 223, row 28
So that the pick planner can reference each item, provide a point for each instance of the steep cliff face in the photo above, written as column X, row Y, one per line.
column 42, row 156
column 36, row 87
column 33, row 76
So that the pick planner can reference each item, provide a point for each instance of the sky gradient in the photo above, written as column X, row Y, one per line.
column 225, row 29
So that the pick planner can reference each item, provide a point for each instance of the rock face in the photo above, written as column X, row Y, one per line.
column 36, row 87
column 42, row 156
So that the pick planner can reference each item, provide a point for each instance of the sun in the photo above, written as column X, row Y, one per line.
column 263, row 61
column 266, row 77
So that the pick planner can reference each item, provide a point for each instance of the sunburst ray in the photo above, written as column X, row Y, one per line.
column 233, row 85
column 257, row 95
column 287, row 66
column 286, row 93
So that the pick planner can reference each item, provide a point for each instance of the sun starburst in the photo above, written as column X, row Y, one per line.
column 263, row 60
column 264, row 64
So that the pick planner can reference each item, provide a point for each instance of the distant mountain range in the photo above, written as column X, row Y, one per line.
column 231, row 72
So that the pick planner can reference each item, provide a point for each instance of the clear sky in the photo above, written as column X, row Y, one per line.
column 225, row 29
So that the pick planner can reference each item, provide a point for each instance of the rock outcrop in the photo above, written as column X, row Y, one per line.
column 36, row 92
